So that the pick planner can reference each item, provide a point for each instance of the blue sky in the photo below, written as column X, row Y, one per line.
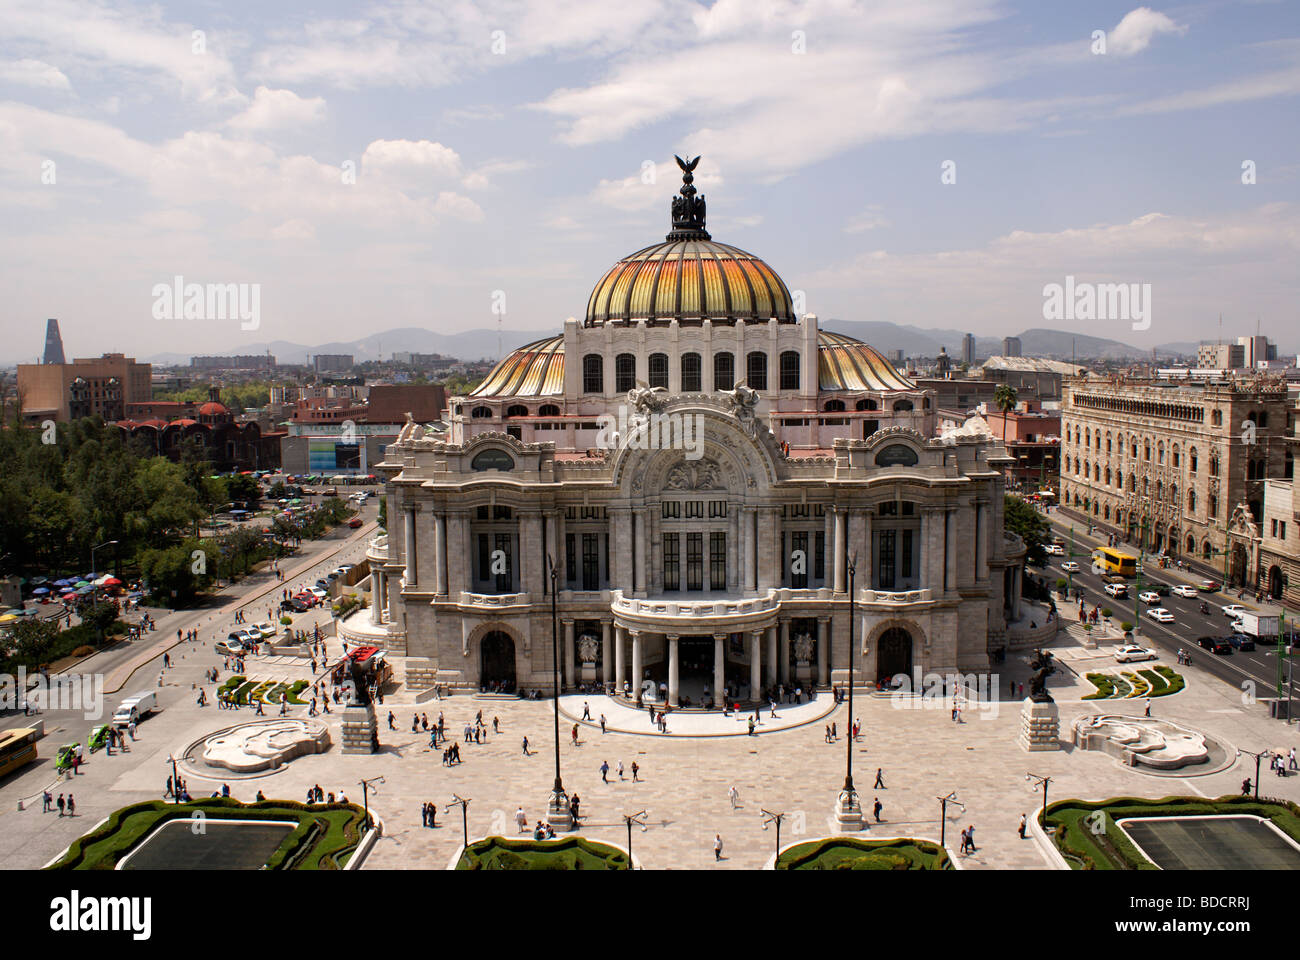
column 515, row 160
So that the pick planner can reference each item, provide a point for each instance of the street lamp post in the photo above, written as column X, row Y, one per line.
column 849, row 809
column 630, row 818
column 558, row 809
column 365, row 796
column 1041, row 782
column 463, row 803
column 943, row 814
column 774, row 818
column 176, row 780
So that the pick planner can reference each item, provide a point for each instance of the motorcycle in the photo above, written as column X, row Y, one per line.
column 1205, row 608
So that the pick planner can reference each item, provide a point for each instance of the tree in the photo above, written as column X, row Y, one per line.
column 171, row 571
column 33, row 639
column 1004, row 398
column 96, row 614
column 240, row 487
column 1029, row 525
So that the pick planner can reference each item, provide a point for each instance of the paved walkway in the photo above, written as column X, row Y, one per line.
column 621, row 718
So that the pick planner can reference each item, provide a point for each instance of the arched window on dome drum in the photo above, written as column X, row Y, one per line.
column 868, row 404
column 756, row 370
column 659, row 370
column 593, row 373
column 724, row 371
column 481, row 413
column 790, row 371
column 901, row 406
column 833, row 406
column 516, row 410
column 624, row 372
column 691, row 375
column 548, row 410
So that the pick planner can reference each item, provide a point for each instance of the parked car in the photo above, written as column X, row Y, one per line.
column 1130, row 652
column 1240, row 641
column 1160, row 614
column 1149, row 597
column 266, row 628
column 354, row 523
column 1069, row 566
column 1117, row 589
column 320, row 593
column 1183, row 590
column 297, row 604
column 244, row 637
column 229, row 648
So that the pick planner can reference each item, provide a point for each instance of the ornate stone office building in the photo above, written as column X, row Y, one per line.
column 690, row 473
column 1174, row 467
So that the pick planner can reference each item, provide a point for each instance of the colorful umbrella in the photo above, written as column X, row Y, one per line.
column 40, row 591
column 9, row 618
column 112, row 582
column 81, row 583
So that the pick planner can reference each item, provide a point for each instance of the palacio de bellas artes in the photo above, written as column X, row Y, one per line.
column 701, row 477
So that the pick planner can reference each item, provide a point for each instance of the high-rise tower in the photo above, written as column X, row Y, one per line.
column 53, row 343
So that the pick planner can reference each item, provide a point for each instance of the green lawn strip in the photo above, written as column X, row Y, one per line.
column 298, row 687
column 1159, row 685
column 1122, row 687
column 1176, row 681
column 244, row 690
column 104, row 847
column 1140, row 686
column 847, row 853
column 1105, row 686
column 1113, row 850
column 272, row 694
column 569, row 853
column 230, row 684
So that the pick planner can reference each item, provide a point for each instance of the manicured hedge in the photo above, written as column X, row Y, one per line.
column 848, row 853
column 1112, row 849
column 568, row 853
column 326, row 831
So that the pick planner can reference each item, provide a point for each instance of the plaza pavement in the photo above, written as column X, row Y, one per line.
column 923, row 753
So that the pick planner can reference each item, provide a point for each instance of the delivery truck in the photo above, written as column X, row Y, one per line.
column 135, row 708
column 1253, row 625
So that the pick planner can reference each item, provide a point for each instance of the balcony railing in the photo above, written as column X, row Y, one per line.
column 468, row 599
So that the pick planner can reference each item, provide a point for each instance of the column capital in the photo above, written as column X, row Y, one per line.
column 720, row 636
column 823, row 619
column 758, row 634
column 674, row 637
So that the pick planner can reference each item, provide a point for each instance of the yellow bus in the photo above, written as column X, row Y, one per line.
column 17, row 748
column 1108, row 560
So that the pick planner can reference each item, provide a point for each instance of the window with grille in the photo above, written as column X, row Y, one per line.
column 570, row 558
column 885, row 572
column 624, row 372
column 593, row 373
column 819, row 555
column 790, row 371
column 717, row 560
column 724, row 371
column 590, row 561
column 799, row 571
column 756, row 370
column 659, row 370
column 694, row 509
column 717, row 508
column 695, row 561
column 671, row 509
column 672, row 561
column 691, row 377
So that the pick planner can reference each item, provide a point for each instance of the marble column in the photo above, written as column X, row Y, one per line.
column 755, row 664
column 637, row 672
column 640, row 550
column 719, row 667
column 841, row 532
column 376, row 617
column 823, row 649
column 606, row 653
column 566, row 656
column 950, row 550
column 620, row 665
column 409, row 546
column 770, row 663
column 674, row 668
column 784, row 657
column 866, row 562
column 981, row 541
column 440, row 551
column 748, row 583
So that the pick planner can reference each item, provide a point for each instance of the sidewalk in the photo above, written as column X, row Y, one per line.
column 621, row 718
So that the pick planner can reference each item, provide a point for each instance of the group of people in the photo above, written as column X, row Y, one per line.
column 177, row 789
column 317, row 795
column 67, row 804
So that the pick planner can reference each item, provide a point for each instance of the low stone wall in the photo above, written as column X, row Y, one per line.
column 1022, row 637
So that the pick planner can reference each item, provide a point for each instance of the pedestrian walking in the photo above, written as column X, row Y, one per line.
column 496, row 725
column 47, row 801
column 620, row 769
column 522, row 820
column 574, row 735
column 734, row 795
column 635, row 770
column 717, row 847
column 970, row 837
column 880, row 778
column 604, row 771
column 602, row 723
column 1147, row 712
column 525, row 746
column 1023, row 822
column 391, row 725
column 61, row 804
column 72, row 806
column 586, row 710
column 876, row 808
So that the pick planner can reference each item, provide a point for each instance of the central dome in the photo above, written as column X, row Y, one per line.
column 690, row 276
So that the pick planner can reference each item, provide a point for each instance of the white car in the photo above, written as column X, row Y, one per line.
column 1129, row 653
column 320, row 594
column 1117, row 589
column 1149, row 597
column 266, row 628
column 1070, row 566
column 1183, row 590
column 229, row 648
column 1160, row 614
column 1233, row 610
column 243, row 636
column 1055, row 549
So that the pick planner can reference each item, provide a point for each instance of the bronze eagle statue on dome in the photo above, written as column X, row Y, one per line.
column 688, row 209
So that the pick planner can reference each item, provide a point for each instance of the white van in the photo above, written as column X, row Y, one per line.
column 134, row 708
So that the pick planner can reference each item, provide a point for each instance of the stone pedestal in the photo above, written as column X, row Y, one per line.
column 848, row 812
column 1040, row 726
column 557, row 812
column 360, row 729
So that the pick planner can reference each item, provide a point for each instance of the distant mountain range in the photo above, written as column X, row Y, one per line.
column 481, row 344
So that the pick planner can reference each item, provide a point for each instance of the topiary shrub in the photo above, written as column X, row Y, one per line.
column 286, row 620
column 1126, row 626
column 83, row 651
column 1107, row 612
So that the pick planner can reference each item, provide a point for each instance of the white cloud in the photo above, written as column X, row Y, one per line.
column 654, row 185
column 409, row 159
column 275, row 110
column 1278, row 83
column 296, row 229
column 1134, row 33
column 33, row 73
column 869, row 219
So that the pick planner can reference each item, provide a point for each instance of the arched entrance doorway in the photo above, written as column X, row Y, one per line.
column 1275, row 582
column 497, row 661
column 1238, row 574
column 894, row 653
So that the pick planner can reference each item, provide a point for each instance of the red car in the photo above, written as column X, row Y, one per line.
column 354, row 522
column 309, row 599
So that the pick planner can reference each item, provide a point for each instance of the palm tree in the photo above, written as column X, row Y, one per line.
column 1005, row 398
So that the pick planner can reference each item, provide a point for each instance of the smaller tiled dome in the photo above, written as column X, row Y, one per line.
column 534, row 370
